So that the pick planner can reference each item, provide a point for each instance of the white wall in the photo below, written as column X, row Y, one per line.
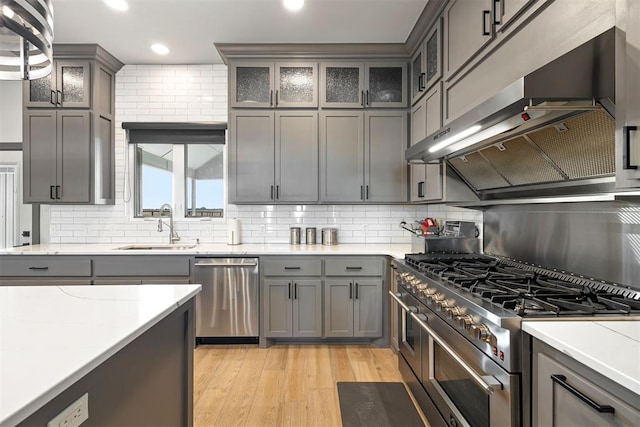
column 199, row 93
column 10, row 111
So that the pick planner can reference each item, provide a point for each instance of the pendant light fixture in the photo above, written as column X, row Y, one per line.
column 26, row 39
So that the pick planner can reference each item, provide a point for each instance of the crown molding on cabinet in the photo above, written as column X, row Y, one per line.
column 311, row 50
column 88, row 51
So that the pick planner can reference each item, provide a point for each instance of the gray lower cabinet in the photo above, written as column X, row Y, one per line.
column 353, row 307
column 567, row 394
column 362, row 156
column 292, row 308
column 273, row 157
column 62, row 136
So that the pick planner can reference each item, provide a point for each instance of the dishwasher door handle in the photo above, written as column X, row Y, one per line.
column 222, row 264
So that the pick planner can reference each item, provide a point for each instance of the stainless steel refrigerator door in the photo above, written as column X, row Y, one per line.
column 228, row 303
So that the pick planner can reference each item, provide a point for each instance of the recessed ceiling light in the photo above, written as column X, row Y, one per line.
column 120, row 5
column 160, row 49
column 293, row 4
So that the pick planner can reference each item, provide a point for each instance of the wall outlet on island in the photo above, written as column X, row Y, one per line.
column 73, row 415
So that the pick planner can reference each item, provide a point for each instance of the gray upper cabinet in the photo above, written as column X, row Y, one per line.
column 68, row 86
column 273, row 85
column 468, row 27
column 363, row 85
column 362, row 156
column 426, row 64
column 506, row 11
column 69, row 146
column 251, row 156
column 57, row 154
column 273, row 156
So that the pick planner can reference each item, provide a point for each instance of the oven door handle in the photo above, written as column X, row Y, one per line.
column 488, row 383
column 396, row 296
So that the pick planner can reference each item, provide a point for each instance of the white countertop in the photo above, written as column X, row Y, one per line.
column 611, row 348
column 393, row 250
column 51, row 336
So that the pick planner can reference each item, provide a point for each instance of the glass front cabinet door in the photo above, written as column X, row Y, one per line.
column 68, row 86
column 342, row 85
column 273, row 85
column 426, row 64
column 386, row 85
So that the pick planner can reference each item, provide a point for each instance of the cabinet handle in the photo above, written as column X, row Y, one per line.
column 58, row 192
column 354, row 268
column 277, row 97
column 271, row 97
column 272, row 192
column 485, row 14
column 626, row 153
column 39, row 268
column 421, row 189
column 496, row 16
column 562, row 381
column 362, row 98
column 59, row 98
column 421, row 85
column 295, row 290
column 367, row 195
column 362, row 192
column 356, row 290
column 292, row 268
column 289, row 290
column 350, row 290
column 368, row 103
column 277, row 191
column 51, row 195
column 54, row 100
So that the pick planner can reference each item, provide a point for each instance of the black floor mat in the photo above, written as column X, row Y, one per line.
column 373, row 404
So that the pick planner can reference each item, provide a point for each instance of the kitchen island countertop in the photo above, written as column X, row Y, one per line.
column 51, row 336
column 611, row 348
column 395, row 250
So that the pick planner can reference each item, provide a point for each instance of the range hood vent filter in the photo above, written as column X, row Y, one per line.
column 478, row 172
column 520, row 163
column 586, row 149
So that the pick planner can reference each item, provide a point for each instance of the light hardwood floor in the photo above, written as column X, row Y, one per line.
column 293, row 385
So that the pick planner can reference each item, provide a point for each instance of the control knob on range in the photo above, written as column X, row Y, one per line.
column 444, row 303
column 455, row 312
column 437, row 297
column 465, row 321
column 481, row 332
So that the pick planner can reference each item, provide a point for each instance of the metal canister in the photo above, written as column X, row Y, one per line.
column 294, row 235
column 329, row 236
column 311, row 236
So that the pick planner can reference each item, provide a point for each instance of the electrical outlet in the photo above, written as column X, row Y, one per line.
column 73, row 415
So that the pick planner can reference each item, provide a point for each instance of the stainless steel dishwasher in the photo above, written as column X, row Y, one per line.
column 227, row 307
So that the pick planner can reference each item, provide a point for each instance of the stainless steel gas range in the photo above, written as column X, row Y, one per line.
column 461, row 350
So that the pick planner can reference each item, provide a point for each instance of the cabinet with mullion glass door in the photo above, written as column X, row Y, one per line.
column 273, row 85
column 68, row 86
column 363, row 85
column 426, row 64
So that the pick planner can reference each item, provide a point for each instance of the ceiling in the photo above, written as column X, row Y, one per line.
column 190, row 27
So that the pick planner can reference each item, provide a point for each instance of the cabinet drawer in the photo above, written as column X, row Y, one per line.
column 292, row 267
column 45, row 267
column 354, row 267
column 141, row 266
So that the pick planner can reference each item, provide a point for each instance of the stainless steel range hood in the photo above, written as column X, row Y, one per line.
column 527, row 140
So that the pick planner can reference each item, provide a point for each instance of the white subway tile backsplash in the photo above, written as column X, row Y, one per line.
column 199, row 93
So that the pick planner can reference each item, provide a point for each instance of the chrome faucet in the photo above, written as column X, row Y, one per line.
column 173, row 234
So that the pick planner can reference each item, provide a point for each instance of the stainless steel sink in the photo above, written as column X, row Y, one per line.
column 155, row 247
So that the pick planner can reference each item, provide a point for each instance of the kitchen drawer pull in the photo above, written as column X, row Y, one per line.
column 289, row 290
column 496, row 5
column 354, row 268
column 295, row 290
column 367, row 192
column 626, row 135
column 51, row 195
column 57, row 192
column 59, row 98
column 39, row 268
column 53, row 97
column 350, row 290
column 292, row 268
column 488, row 383
column 356, row 290
column 362, row 192
column 485, row 14
column 562, row 381
column 277, row 192
column 271, row 192
column 222, row 264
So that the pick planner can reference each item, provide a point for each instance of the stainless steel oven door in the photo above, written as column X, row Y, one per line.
column 410, row 332
column 467, row 387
